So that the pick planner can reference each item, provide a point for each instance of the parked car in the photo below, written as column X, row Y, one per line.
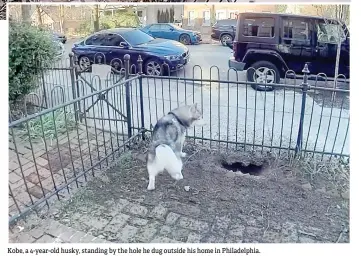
column 272, row 44
column 60, row 37
column 173, row 32
column 224, row 30
column 60, row 50
column 178, row 23
column 113, row 44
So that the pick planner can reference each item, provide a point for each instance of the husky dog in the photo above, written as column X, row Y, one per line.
column 166, row 148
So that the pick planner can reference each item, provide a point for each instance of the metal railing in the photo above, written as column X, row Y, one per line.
column 54, row 151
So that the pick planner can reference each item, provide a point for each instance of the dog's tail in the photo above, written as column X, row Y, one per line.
column 165, row 158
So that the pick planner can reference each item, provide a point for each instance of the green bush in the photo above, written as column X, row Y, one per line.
column 84, row 29
column 122, row 19
column 30, row 48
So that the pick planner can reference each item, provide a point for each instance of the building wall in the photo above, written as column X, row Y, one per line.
column 201, row 13
column 149, row 13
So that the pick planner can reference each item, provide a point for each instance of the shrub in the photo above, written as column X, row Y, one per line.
column 30, row 48
column 84, row 29
column 126, row 18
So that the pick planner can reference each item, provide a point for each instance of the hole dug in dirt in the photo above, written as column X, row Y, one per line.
column 251, row 169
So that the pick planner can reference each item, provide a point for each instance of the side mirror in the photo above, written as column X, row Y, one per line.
column 171, row 29
column 124, row 44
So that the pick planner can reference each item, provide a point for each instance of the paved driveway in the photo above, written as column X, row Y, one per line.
column 234, row 112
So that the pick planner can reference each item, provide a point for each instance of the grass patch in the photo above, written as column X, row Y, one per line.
column 47, row 127
column 321, row 172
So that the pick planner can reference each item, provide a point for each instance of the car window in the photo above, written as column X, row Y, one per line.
column 296, row 31
column 330, row 33
column 96, row 40
column 259, row 27
column 136, row 37
column 165, row 27
column 112, row 40
column 230, row 22
column 155, row 27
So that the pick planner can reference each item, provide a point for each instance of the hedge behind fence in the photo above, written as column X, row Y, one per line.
column 30, row 49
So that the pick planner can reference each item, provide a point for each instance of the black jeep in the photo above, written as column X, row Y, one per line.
column 273, row 44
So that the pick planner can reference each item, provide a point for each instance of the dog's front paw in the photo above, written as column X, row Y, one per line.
column 183, row 154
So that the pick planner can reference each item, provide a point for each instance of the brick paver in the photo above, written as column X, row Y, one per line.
column 133, row 223
column 52, row 231
column 47, row 170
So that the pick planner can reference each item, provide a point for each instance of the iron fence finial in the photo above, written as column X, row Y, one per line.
column 140, row 64
column 305, row 69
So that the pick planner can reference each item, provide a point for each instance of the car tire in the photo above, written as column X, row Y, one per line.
column 261, row 69
column 84, row 63
column 224, row 38
column 185, row 39
column 154, row 67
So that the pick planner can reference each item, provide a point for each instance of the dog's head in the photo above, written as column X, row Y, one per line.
column 189, row 115
column 196, row 115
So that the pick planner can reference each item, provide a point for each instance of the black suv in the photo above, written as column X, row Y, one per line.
column 275, row 43
column 224, row 31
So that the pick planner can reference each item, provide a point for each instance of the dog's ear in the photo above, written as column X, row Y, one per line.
column 193, row 107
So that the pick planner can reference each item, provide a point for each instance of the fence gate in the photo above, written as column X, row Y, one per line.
column 106, row 110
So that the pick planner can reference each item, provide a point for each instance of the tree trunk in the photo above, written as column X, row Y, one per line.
column 96, row 18
column 61, row 18
column 40, row 19
column 213, row 15
column 25, row 13
column 337, row 62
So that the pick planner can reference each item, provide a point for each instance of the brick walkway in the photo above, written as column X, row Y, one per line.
column 46, row 170
column 52, row 231
column 125, row 221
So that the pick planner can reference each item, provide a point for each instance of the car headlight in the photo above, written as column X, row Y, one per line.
column 172, row 57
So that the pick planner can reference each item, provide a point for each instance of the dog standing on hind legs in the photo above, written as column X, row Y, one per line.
column 166, row 149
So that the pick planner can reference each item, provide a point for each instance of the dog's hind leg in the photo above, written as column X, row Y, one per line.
column 174, row 169
column 153, row 171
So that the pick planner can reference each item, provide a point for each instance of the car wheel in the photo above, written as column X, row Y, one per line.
column 84, row 62
column 226, row 38
column 153, row 67
column 263, row 72
column 117, row 66
column 185, row 39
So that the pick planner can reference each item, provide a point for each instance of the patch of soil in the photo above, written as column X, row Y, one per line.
column 324, row 98
column 60, row 158
column 209, row 190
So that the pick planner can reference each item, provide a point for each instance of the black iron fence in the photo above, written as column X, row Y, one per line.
column 54, row 151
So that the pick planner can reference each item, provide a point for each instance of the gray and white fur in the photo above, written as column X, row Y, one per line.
column 166, row 149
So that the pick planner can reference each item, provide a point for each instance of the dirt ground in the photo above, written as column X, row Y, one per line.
column 275, row 204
